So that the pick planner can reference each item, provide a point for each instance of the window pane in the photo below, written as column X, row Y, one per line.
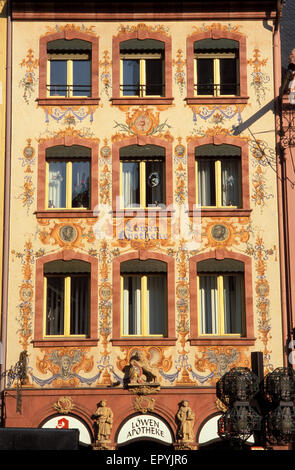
column 79, row 305
column 57, row 184
column 154, row 77
column 132, row 305
column 208, row 305
column 156, row 305
column 206, row 182
column 81, row 184
column 131, row 77
column 232, row 295
column 55, row 306
column 81, row 78
column 130, row 184
column 155, row 183
column 205, row 77
column 228, row 77
column 58, row 78
column 230, row 176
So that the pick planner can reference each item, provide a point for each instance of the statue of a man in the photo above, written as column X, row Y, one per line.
column 103, row 418
column 186, row 419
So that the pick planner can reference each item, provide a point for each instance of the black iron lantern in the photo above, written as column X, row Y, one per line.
column 280, row 422
column 235, row 389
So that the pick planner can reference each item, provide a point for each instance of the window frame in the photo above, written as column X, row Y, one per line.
column 117, row 98
column 211, row 211
column 40, row 339
column 68, row 34
column 117, row 338
column 42, row 184
column 197, row 338
column 192, row 98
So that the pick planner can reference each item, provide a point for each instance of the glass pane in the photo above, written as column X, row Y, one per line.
column 81, row 184
column 206, row 182
column 228, row 77
column 57, row 184
column 230, row 176
column 130, row 184
column 79, row 305
column 208, row 305
column 155, row 183
column 154, row 77
column 131, row 77
column 81, row 78
column 205, row 77
column 55, row 306
column 132, row 305
column 232, row 295
column 58, row 78
column 156, row 304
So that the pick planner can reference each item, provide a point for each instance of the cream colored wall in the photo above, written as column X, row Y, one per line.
column 257, row 237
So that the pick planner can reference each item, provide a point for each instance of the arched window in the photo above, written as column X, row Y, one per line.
column 144, row 298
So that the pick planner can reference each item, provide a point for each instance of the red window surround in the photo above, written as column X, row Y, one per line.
column 218, row 140
column 142, row 34
column 216, row 34
column 142, row 140
column 117, row 340
column 66, row 255
column 68, row 34
column 66, row 141
column 197, row 340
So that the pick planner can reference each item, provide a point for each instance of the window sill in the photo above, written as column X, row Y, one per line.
column 130, row 101
column 47, row 343
column 222, row 341
column 55, row 101
column 142, row 213
column 217, row 99
column 143, row 341
column 47, row 214
column 216, row 212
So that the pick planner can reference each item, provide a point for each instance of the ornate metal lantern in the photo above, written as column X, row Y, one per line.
column 280, row 389
column 235, row 389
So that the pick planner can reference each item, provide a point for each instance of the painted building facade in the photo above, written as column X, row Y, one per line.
column 144, row 250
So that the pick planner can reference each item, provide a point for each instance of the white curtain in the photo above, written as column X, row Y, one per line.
column 132, row 305
column 232, row 295
column 130, row 183
column 156, row 304
column 230, row 182
column 55, row 187
column 206, row 183
column 208, row 304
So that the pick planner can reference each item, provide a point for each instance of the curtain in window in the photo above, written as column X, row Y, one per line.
column 156, row 304
column 130, row 183
column 79, row 305
column 230, row 182
column 56, row 184
column 208, row 304
column 206, row 182
column 132, row 305
column 55, row 305
column 232, row 298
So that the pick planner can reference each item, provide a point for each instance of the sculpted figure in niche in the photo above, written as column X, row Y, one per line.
column 103, row 419
column 185, row 419
column 140, row 371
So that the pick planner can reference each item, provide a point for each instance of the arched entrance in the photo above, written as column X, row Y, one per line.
column 144, row 432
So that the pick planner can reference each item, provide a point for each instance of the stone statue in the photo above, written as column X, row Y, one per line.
column 103, row 419
column 186, row 419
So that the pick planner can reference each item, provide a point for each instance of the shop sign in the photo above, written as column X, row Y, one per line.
column 144, row 426
column 69, row 422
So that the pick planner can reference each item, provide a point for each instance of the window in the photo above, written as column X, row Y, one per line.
column 69, row 68
column 67, row 298
column 144, row 298
column 221, row 301
column 142, row 68
column 216, row 67
column 68, row 177
column 142, row 171
column 218, row 176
